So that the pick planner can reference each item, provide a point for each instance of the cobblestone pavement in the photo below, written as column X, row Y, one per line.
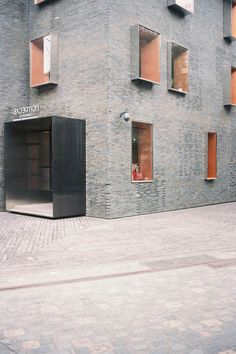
column 20, row 234
column 155, row 284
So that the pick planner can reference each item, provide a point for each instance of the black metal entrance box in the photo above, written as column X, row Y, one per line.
column 45, row 167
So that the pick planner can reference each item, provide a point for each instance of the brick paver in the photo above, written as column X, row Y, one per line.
column 155, row 284
column 21, row 234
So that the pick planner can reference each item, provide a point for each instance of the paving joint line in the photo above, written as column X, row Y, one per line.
column 110, row 276
column 7, row 347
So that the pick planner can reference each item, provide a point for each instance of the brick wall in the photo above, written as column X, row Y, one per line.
column 13, row 67
column 81, row 92
column 179, row 122
column 94, row 84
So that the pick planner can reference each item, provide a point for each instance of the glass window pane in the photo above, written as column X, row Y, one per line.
column 40, row 61
column 149, row 61
column 233, row 86
column 179, row 68
column 141, row 152
column 46, row 54
column 233, row 20
column 29, row 174
column 212, row 157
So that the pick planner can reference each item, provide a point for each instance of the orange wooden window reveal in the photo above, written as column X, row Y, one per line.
column 180, row 68
column 40, row 61
column 149, row 43
column 233, row 19
column 212, row 156
column 141, row 152
column 233, row 86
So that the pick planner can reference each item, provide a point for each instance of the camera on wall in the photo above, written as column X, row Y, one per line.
column 125, row 115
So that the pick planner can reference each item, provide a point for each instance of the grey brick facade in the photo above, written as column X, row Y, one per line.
column 14, row 82
column 94, row 84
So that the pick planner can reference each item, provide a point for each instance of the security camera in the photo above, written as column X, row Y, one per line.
column 125, row 116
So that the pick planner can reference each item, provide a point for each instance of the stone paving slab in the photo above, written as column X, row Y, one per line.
column 183, row 312
column 200, row 229
column 147, row 285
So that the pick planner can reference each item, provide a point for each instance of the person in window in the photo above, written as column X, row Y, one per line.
column 136, row 175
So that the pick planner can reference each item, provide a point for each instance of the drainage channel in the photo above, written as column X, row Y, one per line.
column 154, row 267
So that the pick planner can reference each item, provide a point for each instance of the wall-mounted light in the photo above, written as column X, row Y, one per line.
column 125, row 115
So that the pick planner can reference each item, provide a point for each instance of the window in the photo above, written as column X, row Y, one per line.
column 230, row 86
column 178, row 68
column 184, row 6
column 212, row 156
column 145, row 54
column 233, row 19
column 233, row 86
column 141, row 152
column 43, row 52
column 230, row 19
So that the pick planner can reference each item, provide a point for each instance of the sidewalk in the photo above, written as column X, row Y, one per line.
column 154, row 284
column 21, row 234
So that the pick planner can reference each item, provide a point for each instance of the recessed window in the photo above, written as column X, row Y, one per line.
column 230, row 86
column 233, row 86
column 184, row 6
column 178, row 68
column 145, row 54
column 230, row 19
column 212, row 156
column 141, row 152
column 43, row 68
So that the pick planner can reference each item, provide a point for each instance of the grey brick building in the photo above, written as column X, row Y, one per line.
column 96, row 56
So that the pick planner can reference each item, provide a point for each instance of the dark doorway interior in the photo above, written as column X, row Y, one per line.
column 45, row 167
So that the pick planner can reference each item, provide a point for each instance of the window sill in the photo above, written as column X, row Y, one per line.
column 45, row 84
column 40, row 3
column 178, row 91
column 230, row 104
column 145, row 80
column 211, row 178
column 143, row 181
column 230, row 37
column 181, row 9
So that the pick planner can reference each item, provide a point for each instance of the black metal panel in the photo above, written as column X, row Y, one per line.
column 45, row 167
column 227, row 14
column 69, row 167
